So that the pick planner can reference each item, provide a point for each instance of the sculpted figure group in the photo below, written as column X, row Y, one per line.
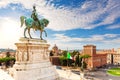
column 34, row 23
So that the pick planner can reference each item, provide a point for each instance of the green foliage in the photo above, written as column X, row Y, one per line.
column 114, row 71
column 78, row 60
column 63, row 60
column 6, row 59
column 7, row 54
column 85, row 56
column 74, row 53
column 84, row 64
column 64, row 53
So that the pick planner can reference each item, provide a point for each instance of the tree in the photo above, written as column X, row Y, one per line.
column 5, row 61
column 7, row 54
column 63, row 61
column 84, row 64
column 74, row 53
column 64, row 53
column 77, row 60
column 63, row 58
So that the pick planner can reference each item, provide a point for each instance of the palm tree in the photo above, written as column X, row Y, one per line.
column 84, row 64
column 64, row 53
column 74, row 53
column 63, row 58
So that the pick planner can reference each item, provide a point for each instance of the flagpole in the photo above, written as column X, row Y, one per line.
column 67, row 63
column 68, row 69
column 67, row 58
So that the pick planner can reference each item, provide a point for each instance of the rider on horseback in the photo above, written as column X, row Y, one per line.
column 35, row 18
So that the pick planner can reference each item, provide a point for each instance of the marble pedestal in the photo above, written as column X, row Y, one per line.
column 32, row 61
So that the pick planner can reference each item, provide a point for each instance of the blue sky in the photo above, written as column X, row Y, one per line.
column 73, row 23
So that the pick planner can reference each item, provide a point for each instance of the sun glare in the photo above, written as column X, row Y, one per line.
column 10, row 32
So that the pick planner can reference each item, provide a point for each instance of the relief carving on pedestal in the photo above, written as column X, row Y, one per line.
column 30, row 56
column 45, row 55
column 25, row 57
column 16, row 55
column 21, row 56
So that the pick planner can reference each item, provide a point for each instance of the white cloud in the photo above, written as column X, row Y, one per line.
column 64, row 44
column 113, row 41
column 93, row 38
column 63, row 18
column 111, row 35
column 113, row 11
column 64, row 41
column 116, row 26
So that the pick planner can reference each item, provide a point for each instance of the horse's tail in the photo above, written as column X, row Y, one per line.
column 22, row 20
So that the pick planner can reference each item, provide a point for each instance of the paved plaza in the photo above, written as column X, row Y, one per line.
column 99, row 74
column 102, row 75
column 4, row 75
column 64, row 75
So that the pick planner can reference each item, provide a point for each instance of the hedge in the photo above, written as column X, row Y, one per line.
column 6, row 59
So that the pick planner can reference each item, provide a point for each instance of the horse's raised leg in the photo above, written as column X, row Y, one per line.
column 29, row 33
column 25, row 32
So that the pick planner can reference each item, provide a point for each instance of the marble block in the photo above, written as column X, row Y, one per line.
column 32, row 61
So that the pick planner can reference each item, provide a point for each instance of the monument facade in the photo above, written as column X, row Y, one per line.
column 32, row 60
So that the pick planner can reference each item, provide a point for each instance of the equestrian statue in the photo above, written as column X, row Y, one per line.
column 34, row 23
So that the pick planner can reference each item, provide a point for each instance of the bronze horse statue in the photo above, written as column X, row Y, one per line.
column 31, row 23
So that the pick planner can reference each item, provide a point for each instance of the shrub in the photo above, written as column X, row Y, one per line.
column 63, row 61
column 7, row 60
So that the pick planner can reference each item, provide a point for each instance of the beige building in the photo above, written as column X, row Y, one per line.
column 4, row 54
column 116, row 57
column 118, row 51
column 113, row 57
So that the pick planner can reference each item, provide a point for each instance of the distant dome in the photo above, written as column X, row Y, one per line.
column 55, row 50
column 55, row 47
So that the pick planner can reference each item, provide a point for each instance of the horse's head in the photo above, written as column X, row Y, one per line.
column 46, row 22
